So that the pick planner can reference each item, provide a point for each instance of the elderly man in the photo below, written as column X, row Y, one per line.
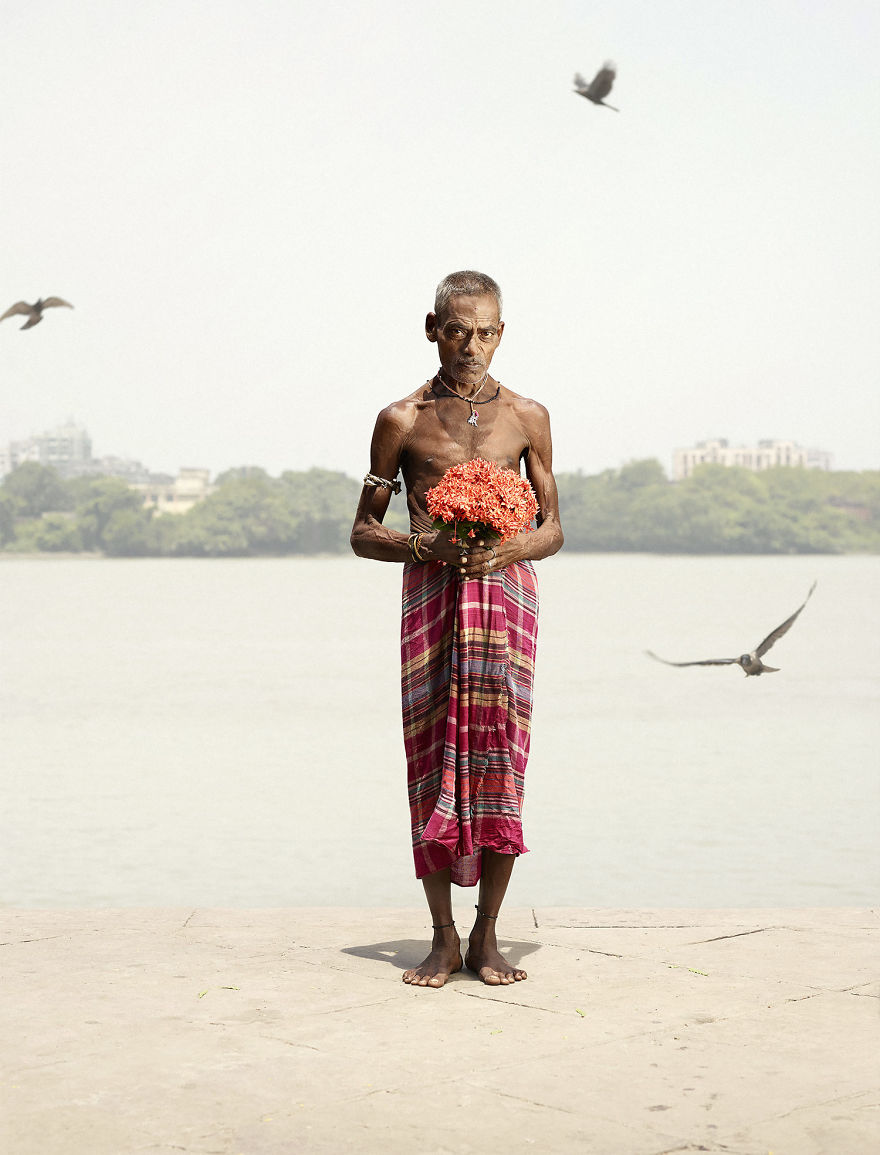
column 468, row 628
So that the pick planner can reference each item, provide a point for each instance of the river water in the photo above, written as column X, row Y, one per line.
column 227, row 733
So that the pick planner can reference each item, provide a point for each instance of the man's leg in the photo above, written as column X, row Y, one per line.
column 445, row 956
column 482, row 955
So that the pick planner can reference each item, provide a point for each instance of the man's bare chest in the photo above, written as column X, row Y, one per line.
column 441, row 436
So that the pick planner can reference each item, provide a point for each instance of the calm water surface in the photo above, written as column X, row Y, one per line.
column 228, row 733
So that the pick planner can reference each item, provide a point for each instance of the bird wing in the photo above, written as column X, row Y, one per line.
column 705, row 662
column 582, row 86
column 50, row 301
column 783, row 629
column 602, row 82
column 18, row 307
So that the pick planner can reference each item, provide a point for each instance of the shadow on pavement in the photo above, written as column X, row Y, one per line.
column 404, row 953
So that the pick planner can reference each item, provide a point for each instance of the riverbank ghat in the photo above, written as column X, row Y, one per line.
column 264, row 1032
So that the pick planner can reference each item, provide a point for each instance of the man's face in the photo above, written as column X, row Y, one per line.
column 466, row 333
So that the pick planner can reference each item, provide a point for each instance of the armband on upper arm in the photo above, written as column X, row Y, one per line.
column 382, row 482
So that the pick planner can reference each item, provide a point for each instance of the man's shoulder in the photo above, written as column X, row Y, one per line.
column 526, row 407
column 404, row 411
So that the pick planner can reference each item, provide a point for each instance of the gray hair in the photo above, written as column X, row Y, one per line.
column 466, row 283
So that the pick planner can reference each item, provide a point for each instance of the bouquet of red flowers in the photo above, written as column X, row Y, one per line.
column 481, row 499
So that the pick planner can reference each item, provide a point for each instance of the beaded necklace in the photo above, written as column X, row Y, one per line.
column 472, row 401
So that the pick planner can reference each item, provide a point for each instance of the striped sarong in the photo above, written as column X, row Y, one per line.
column 467, row 667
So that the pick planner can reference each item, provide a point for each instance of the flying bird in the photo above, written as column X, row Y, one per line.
column 751, row 663
column 599, row 86
column 34, row 312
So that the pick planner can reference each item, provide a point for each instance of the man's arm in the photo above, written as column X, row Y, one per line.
column 547, row 538
column 369, row 537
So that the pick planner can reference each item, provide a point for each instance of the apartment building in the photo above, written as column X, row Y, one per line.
column 767, row 454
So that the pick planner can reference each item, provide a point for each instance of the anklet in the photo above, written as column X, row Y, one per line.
column 442, row 925
column 480, row 913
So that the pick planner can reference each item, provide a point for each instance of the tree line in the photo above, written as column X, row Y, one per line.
column 721, row 510
column 632, row 509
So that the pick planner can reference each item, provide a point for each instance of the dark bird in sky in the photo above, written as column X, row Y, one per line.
column 751, row 663
column 599, row 86
column 34, row 312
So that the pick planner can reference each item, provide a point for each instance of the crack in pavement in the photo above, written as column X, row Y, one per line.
column 45, row 938
column 626, row 926
column 739, row 934
column 289, row 1043
column 27, row 1068
column 820, row 1103
column 510, row 1002
column 355, row 1007
column 534, row 1102
column 689, row 1147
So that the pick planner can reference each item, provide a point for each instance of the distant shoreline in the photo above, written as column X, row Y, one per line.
column 51, row 555
column 94, row 555
column 39, row 555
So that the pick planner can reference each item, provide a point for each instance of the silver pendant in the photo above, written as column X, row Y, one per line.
column 472, row 420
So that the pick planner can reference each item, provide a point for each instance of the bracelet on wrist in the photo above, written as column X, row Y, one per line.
column 414, row 541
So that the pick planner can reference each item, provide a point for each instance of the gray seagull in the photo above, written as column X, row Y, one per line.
column 751, row 663
column 599, row 87
column 34, row 312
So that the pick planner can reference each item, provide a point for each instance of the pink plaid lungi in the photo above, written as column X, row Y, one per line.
column 467, row 669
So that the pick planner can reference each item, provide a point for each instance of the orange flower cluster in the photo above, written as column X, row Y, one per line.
column 483, row 500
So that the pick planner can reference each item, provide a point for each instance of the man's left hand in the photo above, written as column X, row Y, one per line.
column 484, row 558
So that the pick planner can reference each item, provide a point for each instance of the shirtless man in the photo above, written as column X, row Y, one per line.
column 460, row 414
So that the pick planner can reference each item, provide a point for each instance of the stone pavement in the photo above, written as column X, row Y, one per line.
column 264, row 1032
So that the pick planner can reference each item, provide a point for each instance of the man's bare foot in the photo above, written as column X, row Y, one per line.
column 443, row 961
column 484, row 959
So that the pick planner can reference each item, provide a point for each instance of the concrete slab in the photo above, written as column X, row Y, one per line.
column 270, row 1031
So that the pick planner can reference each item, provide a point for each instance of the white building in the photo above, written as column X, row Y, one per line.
column 67, row 449
column 178, row 496
column 766, row 454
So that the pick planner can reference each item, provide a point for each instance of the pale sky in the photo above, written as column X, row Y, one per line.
column 250, row 203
